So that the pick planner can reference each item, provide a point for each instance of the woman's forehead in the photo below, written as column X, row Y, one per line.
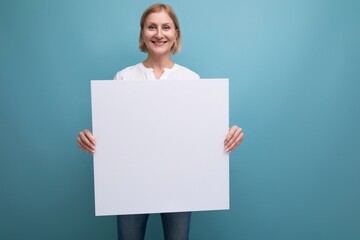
column 159, row 17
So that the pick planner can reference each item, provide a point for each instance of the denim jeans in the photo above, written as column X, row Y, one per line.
column 175, row 226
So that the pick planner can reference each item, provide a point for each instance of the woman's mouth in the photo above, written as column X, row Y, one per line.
column 159, row 43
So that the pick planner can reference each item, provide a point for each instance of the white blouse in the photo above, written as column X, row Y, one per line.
column 140, row 72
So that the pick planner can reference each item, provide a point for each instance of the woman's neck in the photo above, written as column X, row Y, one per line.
column 158, row 63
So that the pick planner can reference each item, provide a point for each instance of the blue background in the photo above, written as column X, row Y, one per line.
column 294, row 78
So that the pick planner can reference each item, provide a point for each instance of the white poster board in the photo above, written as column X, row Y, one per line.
column 160, row 146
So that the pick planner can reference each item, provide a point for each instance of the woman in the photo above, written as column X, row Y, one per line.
column 160, row 37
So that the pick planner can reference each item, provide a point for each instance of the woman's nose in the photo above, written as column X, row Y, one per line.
column 159, row 33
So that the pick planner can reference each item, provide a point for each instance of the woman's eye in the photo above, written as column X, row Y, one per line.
column 151, row 27
column 166, row 27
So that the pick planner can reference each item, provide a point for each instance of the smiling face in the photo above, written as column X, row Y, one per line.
column 159, row 33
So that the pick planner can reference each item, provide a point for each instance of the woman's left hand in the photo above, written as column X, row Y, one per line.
column 233, row 139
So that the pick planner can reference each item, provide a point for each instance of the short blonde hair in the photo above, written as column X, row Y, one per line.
column 158, row 7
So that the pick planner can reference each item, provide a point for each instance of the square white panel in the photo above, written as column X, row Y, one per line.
column 160, row 146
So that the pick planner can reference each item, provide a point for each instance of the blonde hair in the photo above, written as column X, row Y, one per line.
column 158, row 7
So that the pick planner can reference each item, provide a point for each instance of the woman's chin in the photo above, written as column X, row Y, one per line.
column 159, row 51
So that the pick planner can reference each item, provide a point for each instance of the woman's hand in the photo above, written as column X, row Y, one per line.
column 86, row 141
column 233, row 139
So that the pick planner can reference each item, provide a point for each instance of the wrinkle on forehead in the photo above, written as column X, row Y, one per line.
column 159, row 17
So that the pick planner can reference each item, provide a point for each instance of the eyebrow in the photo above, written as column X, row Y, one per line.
column 161, row 24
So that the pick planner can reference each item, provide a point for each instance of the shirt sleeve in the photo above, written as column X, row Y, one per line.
column 118, row 76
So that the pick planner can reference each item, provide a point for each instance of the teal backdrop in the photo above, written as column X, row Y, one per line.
column 294, row 69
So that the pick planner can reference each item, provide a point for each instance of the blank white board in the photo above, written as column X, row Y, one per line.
column 160, row 146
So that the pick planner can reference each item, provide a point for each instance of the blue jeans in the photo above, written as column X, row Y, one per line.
column 175, row 226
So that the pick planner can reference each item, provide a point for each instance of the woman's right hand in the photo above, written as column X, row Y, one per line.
column 86, row 141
